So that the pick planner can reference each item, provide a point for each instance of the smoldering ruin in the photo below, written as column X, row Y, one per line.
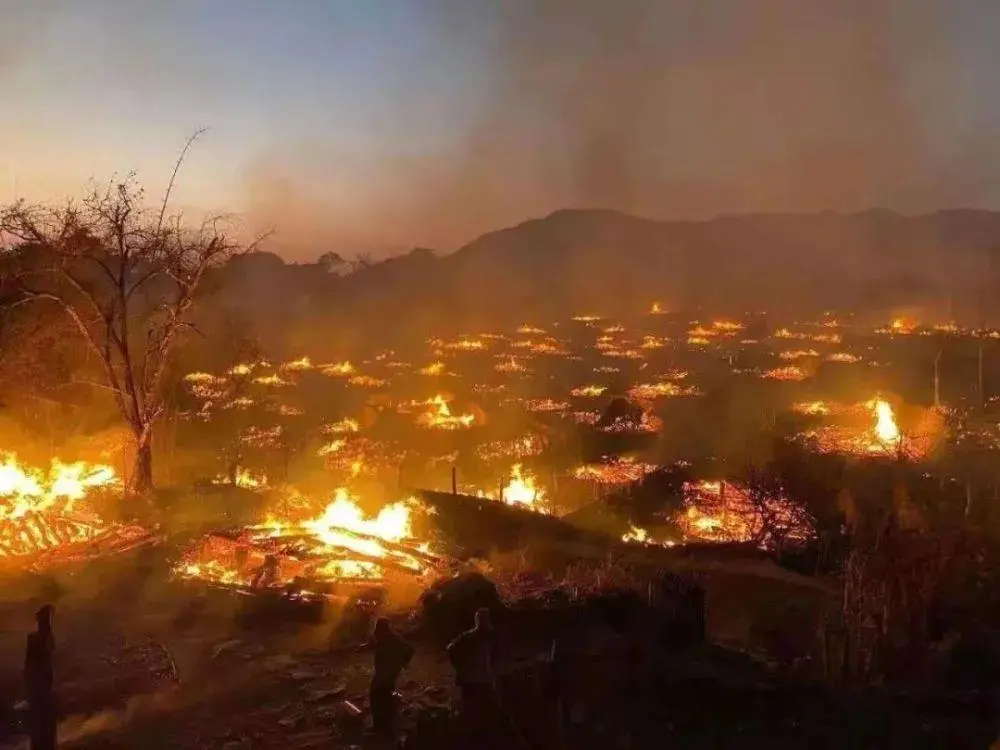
column 705, row 454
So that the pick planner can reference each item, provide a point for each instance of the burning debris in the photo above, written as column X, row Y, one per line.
column 439, row 417
column 45, row 516
column 522, row 490
column 341, row 545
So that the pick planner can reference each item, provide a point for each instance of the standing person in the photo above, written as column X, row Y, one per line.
column 38, row 680
column 472, row 654
column 392, row 655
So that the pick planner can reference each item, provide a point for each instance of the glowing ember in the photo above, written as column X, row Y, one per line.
column 799, row 354
column 511, row 365
column 298, row 365
column 812, row 408
column 367, row 381
column 614, row 471
column 435, row 368
column 338, row 370
column 588, row 391
column 650, row 391
column 344, row 425
column 787, row 373
column 724, row 512
column 545, row 405
column 273, row 379
column 441, row 418
column 243, row 478
column 845, row 357
column 636, row 535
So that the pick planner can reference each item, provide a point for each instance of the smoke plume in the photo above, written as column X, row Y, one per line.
column 683, row 109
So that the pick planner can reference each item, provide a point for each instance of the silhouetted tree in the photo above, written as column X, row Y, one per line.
column 332, row 263
column 127, row 277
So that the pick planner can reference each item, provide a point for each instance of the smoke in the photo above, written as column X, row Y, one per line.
column 684, row 109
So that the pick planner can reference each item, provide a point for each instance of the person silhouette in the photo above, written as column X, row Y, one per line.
column 38, row 679
column 392, row 654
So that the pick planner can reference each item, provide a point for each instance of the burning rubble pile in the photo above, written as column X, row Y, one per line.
column 313, row 556
column 881, row 437
column 45, row 516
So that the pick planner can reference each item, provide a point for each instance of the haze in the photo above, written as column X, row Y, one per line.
column 369, row 125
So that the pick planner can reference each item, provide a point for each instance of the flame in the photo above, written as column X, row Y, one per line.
column 637, row 535
column 244, row 478
column 435, row 368
column 441, row 418
column 656, row 309
column 812, row 408
column 339, row 369
column 522, row 490
column 886, row 429
column 40, row 511
column 787, row 373
column 298, row 365
column 342, row 542
column 588, row 391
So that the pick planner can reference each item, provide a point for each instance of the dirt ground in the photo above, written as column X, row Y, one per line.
column 165, row 668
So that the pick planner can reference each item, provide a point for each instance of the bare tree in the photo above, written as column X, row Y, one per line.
column 127, row 277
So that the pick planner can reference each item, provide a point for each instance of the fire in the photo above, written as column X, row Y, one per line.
column 787, row 373
column 812, row 408
column 244, row 478
column 511, row 365
column 435, row 368
column 845, row 357
column 637, row 535
column 441, row 418
column 340, row 543
column 719, row 511
column 886, row 430
column 298, row 365
column 272, row 379
column 588, row 391
column 798, row 354
column 344, row 425
column 366, row 381
column 656, row 309
column 650, row 391
column 339, row 369
column 614, row 471
column 41, row 511
column 522, row 490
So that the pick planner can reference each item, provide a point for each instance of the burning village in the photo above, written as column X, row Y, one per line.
column 785, row 504
column 527, row 375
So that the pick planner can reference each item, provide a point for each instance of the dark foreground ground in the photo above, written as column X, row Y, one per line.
column 167, row 668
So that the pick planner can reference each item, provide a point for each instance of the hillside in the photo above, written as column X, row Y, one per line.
column 601, row 261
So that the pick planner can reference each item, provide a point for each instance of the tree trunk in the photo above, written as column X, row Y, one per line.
column 140, row 482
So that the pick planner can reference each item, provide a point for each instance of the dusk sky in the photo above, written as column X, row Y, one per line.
column 378, row 125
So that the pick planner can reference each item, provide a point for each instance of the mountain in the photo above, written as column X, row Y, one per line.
column 607, row 262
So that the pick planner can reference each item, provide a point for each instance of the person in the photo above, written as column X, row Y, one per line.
column 392, row 654
column 472, row 655
column 38, row 679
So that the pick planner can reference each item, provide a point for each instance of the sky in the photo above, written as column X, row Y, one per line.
column 379, row 125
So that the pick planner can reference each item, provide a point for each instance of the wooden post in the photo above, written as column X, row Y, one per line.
column 982, row 389
column 937, row 379
column 454, row 480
